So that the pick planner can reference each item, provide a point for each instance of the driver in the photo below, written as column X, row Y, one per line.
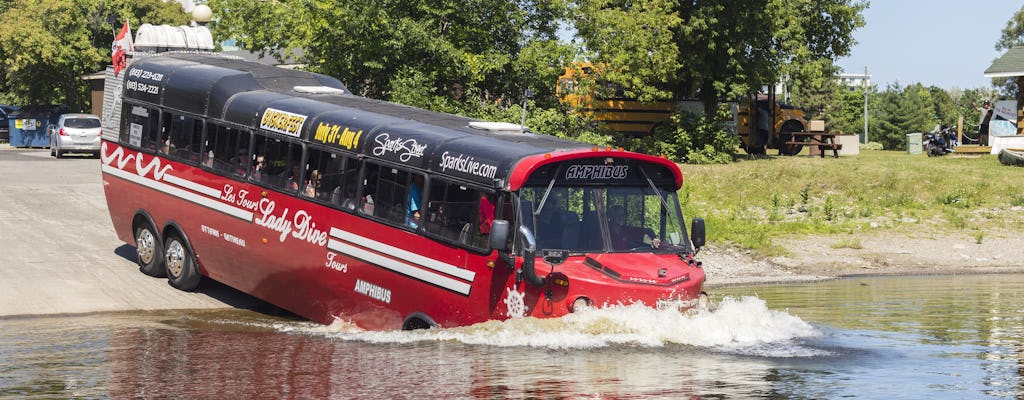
column 626, row 237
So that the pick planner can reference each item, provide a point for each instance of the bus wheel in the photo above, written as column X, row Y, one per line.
column 149, row 252
column 181, row 264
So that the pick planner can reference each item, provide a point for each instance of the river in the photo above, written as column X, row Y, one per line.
column 932, row 337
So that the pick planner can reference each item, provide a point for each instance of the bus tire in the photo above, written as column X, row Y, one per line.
column 149, row 252
column 181, row 264
column 418, row 320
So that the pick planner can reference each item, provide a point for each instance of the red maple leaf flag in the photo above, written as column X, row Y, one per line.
column 121, row 46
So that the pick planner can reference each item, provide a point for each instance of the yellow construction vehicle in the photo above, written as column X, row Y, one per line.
column 607, row 104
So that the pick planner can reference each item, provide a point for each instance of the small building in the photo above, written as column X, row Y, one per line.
column 1010, row 65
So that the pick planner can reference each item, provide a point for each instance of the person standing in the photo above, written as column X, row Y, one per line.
column 984, row 117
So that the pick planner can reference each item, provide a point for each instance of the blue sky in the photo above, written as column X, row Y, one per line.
column 944, row 43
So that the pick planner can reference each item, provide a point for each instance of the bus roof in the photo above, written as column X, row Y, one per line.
column 321, row 110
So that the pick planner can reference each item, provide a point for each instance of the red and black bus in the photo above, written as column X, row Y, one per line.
column 284, row 185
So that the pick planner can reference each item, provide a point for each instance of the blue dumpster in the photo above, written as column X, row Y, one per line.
column 29, row 125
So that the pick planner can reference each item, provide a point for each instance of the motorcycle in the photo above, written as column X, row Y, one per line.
column 940, row 141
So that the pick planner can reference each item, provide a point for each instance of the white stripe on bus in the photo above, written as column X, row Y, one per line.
column 400, row 267
column 414, row 258
column 195, row 187
column 180, row 193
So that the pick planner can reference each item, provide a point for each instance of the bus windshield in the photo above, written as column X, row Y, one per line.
column 591, row 219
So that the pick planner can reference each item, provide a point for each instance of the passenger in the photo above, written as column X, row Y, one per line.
column 412, row 205
column 486, row 213
column 626, row 237
column 208, row 161
column 350, row 197
column 313, row 185
column 259, row 164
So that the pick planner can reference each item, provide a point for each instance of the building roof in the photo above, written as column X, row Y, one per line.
column 1007, row 65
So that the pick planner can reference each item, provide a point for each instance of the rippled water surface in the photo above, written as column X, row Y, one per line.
column 908, row 337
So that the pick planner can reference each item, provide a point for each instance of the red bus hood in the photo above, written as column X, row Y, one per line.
column 645, row 268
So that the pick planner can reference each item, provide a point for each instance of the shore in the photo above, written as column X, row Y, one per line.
column 815, row 258
column 59, row 254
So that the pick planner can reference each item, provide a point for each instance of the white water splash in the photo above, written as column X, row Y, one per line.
column 739, row 325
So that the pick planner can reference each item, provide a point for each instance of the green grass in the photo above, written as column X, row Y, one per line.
column 749, row 202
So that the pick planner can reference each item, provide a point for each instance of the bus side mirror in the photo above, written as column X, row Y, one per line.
column 697, row 234
column 529, row 244
column 499, row 234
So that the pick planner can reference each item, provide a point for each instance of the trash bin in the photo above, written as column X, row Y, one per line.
column 29, row 125
column 914, row 145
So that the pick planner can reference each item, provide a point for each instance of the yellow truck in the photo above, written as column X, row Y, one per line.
column 607, row 104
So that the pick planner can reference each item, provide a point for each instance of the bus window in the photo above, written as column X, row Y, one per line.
column 325, row 171
column 346, row 195
column 459, row 213
column 228, row 148
column 555, row 216
column 277, row 163
column 184, row 136
column 143, row 128
column 392, row 194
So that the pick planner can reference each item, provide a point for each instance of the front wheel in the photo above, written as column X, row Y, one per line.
column 181, row 264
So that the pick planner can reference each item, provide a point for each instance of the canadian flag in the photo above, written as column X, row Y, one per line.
column 120, row 48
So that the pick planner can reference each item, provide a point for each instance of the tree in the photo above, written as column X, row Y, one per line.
column 1012, row 36
column 898, row 111
column 55, row 42
column 845, row 109
column 714, row 50
column 686, row 49
column 490, row 49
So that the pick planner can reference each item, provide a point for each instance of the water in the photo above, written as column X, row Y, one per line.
column 908, row 337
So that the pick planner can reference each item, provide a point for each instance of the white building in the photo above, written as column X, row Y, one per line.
column 854, row 80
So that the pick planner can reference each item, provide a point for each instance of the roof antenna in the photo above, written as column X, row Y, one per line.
column 526, row 96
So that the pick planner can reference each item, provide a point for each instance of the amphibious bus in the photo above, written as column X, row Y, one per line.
column 284, row 185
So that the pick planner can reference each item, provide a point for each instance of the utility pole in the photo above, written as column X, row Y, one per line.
column 865, row 83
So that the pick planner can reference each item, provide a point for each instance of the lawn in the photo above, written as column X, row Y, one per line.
column 749, row 202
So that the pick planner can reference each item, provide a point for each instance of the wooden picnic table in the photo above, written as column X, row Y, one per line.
column 822, row 140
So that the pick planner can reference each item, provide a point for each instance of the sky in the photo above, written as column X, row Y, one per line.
column 943, row 43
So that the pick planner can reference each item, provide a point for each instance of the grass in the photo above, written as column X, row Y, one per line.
column 749, row 202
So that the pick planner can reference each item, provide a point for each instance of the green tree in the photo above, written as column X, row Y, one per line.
column 942, row 106
column 898, row 111
column 55, row 42
column 721, row 49
column 1011, row 36
column 815, row 89
column 845, row 110
column 491, row 49
column 716, row 50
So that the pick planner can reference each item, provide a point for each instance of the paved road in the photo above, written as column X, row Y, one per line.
column 58, row 250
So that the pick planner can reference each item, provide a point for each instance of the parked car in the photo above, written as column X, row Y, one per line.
column 75, row 133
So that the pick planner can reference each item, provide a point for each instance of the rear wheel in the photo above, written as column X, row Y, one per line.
column 149, row 252
column 181, row 264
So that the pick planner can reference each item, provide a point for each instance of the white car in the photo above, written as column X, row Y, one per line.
column 75, row 133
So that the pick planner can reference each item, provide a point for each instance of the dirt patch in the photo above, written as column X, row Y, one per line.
column 828, row 257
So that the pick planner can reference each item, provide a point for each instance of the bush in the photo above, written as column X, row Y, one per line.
column 871, row 146
column 689, row 138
